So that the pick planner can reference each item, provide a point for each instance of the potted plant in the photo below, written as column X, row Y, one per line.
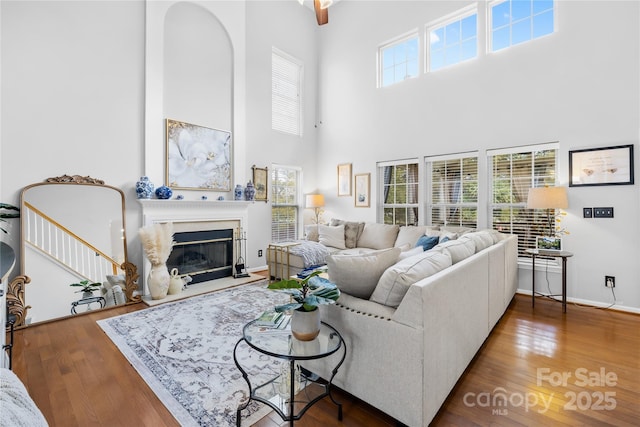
column 87, row 288
column 306, row 294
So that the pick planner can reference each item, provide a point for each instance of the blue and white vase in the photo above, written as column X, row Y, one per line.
column 164, row 192
column 250, row 192
column 144, row 188
column 238, row 192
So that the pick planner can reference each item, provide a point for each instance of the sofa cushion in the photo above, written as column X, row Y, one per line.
column 352, row 231
column 409, row 235
column 482, row 239
column 378, row 236
column 411, row 252
column 396, row 280
column 358, row 275
column 311, row 232
column 427, row 242
column 332, row 236
column 459, row 249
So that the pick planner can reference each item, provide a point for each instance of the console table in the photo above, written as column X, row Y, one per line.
column 555, row 254
column 281, row 392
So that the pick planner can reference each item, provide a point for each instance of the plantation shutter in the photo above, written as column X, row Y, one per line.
column 286, row 93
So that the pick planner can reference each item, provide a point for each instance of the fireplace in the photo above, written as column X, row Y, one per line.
column 203, row 255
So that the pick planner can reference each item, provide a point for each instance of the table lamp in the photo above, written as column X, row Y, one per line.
column 548, row 198
column 315, row 202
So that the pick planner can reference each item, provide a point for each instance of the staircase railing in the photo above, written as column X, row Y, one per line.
column 59, row 243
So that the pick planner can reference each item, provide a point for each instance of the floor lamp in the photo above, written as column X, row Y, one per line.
column 548, row 198
column 315, row 202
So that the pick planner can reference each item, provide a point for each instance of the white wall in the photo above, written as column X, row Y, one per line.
column 579, row 86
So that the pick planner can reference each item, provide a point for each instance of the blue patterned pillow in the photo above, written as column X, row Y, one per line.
column 427, row 242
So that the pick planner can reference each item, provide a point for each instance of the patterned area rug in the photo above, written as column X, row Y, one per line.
column 184, row 351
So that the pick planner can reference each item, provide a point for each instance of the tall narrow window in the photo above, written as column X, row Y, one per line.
column 399, row 192
column 286, row 93
column 453, row 39
column 398, row 60
column 453, row 190
column 518, row 21
column 285, row 203
column 513, row 172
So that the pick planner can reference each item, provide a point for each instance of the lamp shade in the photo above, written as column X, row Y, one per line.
column 314, row 200
column 547, row 198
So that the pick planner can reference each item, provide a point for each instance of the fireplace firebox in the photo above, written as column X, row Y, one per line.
column 203, row 255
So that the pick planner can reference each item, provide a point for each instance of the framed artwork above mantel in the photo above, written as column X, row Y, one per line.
column 601, row 166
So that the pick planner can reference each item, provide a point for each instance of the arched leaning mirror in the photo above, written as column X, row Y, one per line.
column 73, row 237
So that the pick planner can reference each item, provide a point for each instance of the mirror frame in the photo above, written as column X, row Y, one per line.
column 16, row 290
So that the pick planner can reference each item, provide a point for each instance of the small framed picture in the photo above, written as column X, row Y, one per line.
column 601, row 166
column 261, row 183
column 546, row 243
column 344, row 179
column 362, row 190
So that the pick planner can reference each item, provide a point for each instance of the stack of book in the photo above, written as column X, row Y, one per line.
column 271, row 319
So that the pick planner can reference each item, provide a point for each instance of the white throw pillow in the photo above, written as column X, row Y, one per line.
column 311, row 232
column 358, row 275
column 410, row 252
column 378, row 236
column 396, row 280
column 332, row 236
column 409, row 235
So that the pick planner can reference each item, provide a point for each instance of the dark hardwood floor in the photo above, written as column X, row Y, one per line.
column 78, row 378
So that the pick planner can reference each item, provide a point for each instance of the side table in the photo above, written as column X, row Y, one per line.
column 555, row 254
column 291, row 404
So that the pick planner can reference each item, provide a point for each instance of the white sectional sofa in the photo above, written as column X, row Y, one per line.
column 404, row 358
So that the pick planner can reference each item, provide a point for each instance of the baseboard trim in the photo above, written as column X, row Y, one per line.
column 596, row 304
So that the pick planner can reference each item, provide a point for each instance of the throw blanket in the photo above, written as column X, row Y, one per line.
column 17, row 407
column 312, row 253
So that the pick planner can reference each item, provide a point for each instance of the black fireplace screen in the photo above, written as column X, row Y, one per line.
column 203, row 255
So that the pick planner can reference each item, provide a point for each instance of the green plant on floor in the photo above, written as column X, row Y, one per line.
column 8, row 211
column 308, row 293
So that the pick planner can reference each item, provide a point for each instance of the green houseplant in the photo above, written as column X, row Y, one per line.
column 87, row 287
column 306, row 295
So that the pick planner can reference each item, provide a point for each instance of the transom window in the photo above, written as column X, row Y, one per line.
column 518, row 21
column 400, row 185
column 453, row 39
column 398, row 60
column 453, row 190
column 285, row 203
column 513, row 172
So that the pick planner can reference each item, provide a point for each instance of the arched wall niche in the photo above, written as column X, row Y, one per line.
column 194, row 73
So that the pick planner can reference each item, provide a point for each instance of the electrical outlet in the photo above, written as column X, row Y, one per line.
column 259, row 253
column 610, row 281
column 587, row 212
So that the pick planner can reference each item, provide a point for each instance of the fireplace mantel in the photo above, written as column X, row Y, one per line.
column 197, row 204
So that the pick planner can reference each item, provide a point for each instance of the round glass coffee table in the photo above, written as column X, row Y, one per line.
column 306, row 388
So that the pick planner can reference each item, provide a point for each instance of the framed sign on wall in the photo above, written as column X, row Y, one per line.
column 601, row 166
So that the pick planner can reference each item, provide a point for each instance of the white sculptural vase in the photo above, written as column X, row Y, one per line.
column 305, row 325
column 158, row 281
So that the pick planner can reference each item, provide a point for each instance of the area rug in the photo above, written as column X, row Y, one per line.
column 184, row 352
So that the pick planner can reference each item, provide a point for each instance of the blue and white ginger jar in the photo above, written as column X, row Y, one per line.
column 144, row 188
column 164, row 192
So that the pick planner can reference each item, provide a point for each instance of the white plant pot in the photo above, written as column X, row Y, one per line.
column 305, row 325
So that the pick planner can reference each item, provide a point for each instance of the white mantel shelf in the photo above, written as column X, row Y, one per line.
column 175, row 203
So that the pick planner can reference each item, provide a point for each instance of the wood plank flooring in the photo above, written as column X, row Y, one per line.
column 78, row 378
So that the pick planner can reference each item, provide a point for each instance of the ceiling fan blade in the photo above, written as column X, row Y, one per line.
column 322, row 15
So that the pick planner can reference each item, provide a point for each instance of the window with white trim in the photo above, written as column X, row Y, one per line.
column 513, row 172
column 513, row 22
column 285, row 203
column 452, row 190
column 399, row 192
column 452, row 39
column 286, row 93
column 398, row 60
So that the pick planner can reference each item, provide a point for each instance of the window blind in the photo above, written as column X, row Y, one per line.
column 286, row 93
column 285, row 203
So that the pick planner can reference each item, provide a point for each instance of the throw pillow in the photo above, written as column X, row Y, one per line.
column 352, row 231
column 427, row 242
column 411, row 252
column 358, row 275
column 332, row 236
column 311, row 232
column 378, row 236
column 409, row 235
column 396, row 280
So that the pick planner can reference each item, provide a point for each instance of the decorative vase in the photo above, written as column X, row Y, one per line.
column 250, row 192
column 305, row 325
column 158, row 281
column 144, row 188
column 164, row 192
column 175, row 282
column 237, row 192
